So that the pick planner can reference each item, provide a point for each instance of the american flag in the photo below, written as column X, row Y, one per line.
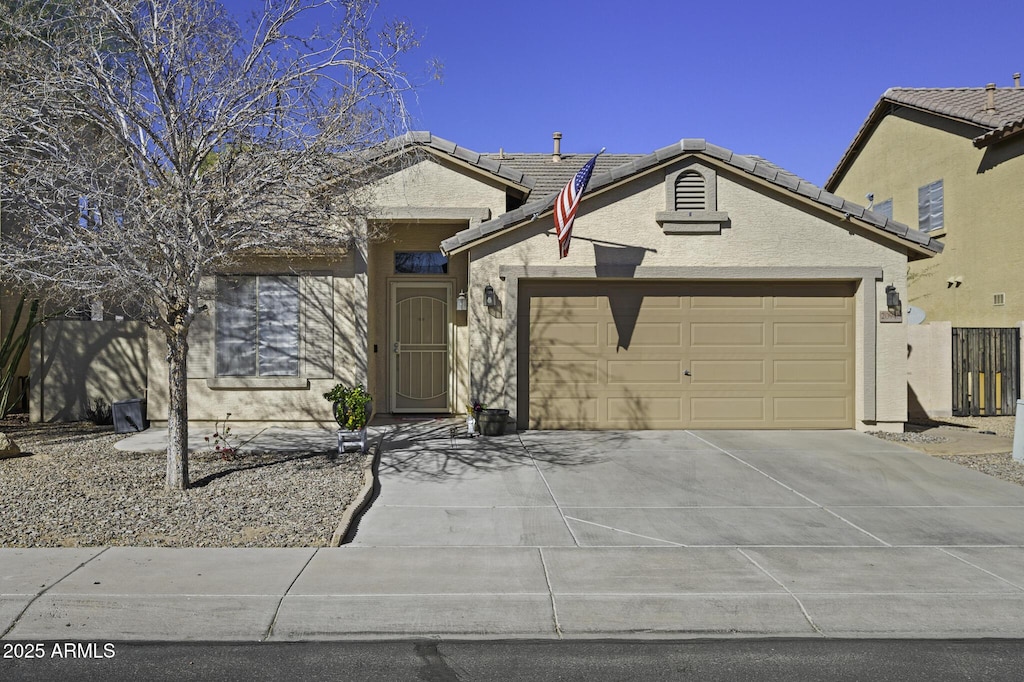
column 566, row 204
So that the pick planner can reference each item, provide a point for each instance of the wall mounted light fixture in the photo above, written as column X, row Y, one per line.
column 490, row 300
column 461, row 301
column 892, row 300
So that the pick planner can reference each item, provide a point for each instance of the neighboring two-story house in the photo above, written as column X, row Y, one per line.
column 950, row 162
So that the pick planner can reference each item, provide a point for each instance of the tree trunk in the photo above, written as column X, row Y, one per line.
column 177, row 411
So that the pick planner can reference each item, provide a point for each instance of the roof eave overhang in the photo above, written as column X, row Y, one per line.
column 994, row 136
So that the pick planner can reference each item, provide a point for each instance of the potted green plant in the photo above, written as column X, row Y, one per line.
column 352, row 407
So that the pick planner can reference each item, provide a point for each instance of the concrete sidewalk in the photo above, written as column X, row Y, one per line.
column 567, row 535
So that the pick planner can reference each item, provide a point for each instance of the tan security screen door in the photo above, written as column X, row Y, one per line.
column 420, row 376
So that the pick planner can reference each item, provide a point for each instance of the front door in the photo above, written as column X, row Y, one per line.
column 420, row 356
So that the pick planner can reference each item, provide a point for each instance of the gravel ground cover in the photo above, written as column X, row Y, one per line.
column 1000, row 465
column 71, row 488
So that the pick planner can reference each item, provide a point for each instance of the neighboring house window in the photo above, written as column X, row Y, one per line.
column 884, row 208
column 690, row 192
column 257, row 325
column 929, row 207
column 421, row 263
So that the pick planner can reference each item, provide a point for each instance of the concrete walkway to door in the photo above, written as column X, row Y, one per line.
column 766, row 533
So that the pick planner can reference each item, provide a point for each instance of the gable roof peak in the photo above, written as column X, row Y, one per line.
column 996, row 112
column 629, row 166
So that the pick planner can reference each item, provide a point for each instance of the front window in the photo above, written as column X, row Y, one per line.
column 257, row 325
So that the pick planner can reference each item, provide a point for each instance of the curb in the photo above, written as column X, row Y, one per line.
column 359, row 504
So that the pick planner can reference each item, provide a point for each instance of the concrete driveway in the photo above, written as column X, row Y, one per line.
column 696, row 533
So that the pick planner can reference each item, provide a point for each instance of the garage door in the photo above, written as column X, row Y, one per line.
column 660, row 355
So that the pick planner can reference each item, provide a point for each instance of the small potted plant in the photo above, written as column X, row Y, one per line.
column 352, row 407
column 473, row 417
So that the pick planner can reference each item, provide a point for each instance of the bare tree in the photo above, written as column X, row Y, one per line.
column 146, row 143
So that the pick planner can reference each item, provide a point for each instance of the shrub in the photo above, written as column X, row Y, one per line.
column 101, row 413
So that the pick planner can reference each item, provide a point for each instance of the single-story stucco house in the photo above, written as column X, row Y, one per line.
column 703, row 289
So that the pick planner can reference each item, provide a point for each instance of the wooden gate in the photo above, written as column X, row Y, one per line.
column 986, row 371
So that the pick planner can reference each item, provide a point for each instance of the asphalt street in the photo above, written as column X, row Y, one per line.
column 514, row 661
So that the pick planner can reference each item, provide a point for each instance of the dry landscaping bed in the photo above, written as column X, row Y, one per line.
column 1000, row 465
column 71, row 488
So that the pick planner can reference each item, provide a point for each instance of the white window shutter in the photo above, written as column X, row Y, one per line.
column 318, row 326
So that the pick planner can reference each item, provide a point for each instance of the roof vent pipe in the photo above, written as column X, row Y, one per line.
column 1016, row 80
column 990, row 91
column 556, row 155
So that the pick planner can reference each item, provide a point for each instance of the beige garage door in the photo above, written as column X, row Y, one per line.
column 639, row 355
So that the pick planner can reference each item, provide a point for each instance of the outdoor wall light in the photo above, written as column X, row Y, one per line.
column 461, row 301
column 892, row 300
column 490, row 300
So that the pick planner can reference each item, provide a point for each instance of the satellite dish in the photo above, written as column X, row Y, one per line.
column 914, row 315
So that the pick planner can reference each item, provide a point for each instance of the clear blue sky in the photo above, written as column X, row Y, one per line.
column 790, row 81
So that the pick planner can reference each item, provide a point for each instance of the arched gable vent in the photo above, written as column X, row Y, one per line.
column 690, row 192
column 691, row 201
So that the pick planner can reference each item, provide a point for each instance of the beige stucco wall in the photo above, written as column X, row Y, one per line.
column 984, row 213
column 432, row 183
column 75, row 362
column 265, row 400
column 770, row 231
column 930, row 369
column 434, row 200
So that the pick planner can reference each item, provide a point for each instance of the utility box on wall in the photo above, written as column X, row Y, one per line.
column 128, row 415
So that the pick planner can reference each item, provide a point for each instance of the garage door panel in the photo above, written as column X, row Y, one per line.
column 715, row 372
column 565, row 413
column 648, row 412
column 580, row 373
column 649, row 335
column 717, row 334
column 568, row 334
column 716, row 303
column 809, row 410
column 813, row 372
column 554, row 305
column 725, row 410
column 812, row 304
column 760, row 355
column 808, row 334
column 635, row 372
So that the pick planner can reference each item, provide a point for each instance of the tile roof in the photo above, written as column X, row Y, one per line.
column 549, row 176
column 967, row 105
column 631, row 164
column 441, row 146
